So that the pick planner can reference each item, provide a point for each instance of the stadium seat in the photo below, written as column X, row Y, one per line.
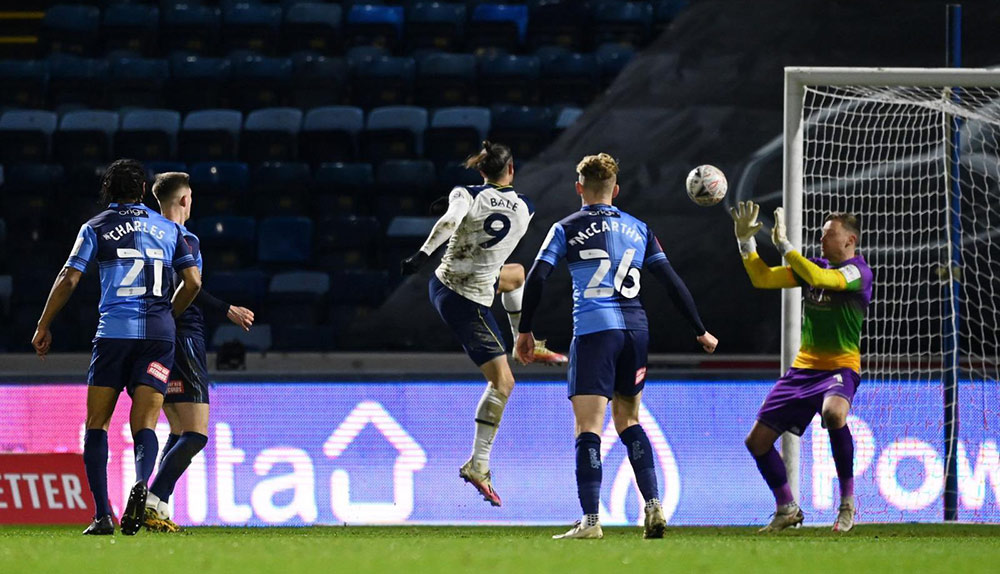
column 527, row 130
column 281, row 188
column 569, row 79
column 24, row 82
column 271, row 134
column 251, row 26
column 232, row 240
column 347, row 242
column 330, row 134
column 298, row 297
column 456, row 133
column 343, row 187
column 501, row 26
column 558, row 23
column 509, row 79
column 455, row 174
column 384, row 81
column 244, row 287
column 85, row 135
column 394, row 132
column 154, row 167
column 27, row 200
column 26, row 135
column 132, row 27
column 221, row 188
column 622, row 22
column 191, row 28
column 284, row 240
column 360, row 56
column 137, row 82
column 210, row 135
column 403, row 236
column 258, row 82
column 318, row 81
column 256, row 339
column 196, row 82
column 446, row 80
column 75, row 80
column 374, row 25
column 304, row 337
column 403, row 187
column 71, row 29
column 436, row 26
column 611, row 59
column 312, row 26
column 567, row 116
column 148, row 134
column 359, row 287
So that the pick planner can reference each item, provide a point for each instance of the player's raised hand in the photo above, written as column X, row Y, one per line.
column 708, row 342
column 241, row 317
column 745, row 220
column 413, row 263
column 42, row 341
column 524, row 348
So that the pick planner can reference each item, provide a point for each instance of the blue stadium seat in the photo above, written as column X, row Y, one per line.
column 436, row 26
column 75, row 80
column 244, row 287
column 154, row 167
column 257, row 339
column 384, row 81
column 360, row 56
column 558, row 23
column 330, row 134
column 359, row 287
column 446, row 80
column 251, row 26
column 85, row 135
column 71, row 29
column 394, row 132
column 527, row 130
column 567, row 116
column 456, row 133
column 298, row 297
column 24, row 82
column 318, row 81
column 132, row 27
column 137, row 82
column 148, row 134
column 404, row 186
column 196, row 82
column 191, row 27
column 284, row 240
column 281, row 188
column 622, row 22
column 221, row 188
column 259, row 82
column 210, row 135
column 230, row 240
column 27, row 201
column 347, row 242
column 374, row 25
column 454, row 174
column 312, row 26
column 26, row 135
column 271, row 134
column 509, row 79
column 501, row 26
column 569, row 79
column 342, row 187
column 612, row 59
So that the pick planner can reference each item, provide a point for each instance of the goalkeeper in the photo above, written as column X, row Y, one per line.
column 826, row 372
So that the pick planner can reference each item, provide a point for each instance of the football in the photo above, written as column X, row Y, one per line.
column 706, row 185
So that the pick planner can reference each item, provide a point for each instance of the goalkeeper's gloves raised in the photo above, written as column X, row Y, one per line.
column 778, row 234
column 746, row 225
column 414, row 262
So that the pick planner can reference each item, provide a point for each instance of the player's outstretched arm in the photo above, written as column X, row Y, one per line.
column 187, row 291
column 459, row 203
column 761, row 275
column 811, row 273
column 62, row 289
column 239, row 316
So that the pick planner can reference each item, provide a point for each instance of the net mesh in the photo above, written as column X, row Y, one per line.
column 888, row 154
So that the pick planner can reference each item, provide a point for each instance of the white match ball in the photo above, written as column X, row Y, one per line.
column 706, row 185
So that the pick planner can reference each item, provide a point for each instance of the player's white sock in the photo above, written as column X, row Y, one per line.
column 152, row 501
column 163, row 509
column 847, row 500
column 488, row 415
column 512, row 305
column 652, row 503
column 589, row 520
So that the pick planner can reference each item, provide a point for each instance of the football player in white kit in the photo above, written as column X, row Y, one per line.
column 482, row 226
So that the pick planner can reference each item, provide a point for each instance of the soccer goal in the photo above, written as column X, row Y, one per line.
column 916, row 154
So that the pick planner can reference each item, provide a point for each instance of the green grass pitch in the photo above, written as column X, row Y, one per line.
column 870, row 548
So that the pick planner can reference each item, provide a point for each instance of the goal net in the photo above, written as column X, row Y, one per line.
column 916, row 155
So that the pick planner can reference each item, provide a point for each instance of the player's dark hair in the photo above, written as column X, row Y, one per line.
column 123, row 182
column 492, row 160
column 166, row 185
column 848, row 220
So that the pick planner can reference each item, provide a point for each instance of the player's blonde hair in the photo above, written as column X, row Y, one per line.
column 598, row 172
column 167, row 184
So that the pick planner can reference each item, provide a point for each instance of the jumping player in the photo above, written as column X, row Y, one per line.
column 137, row 251
column 826, row 372
column 482, row 226
column 186, row 401
column 606, row 249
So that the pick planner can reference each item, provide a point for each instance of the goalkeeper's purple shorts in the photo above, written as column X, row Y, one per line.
column 798, row 396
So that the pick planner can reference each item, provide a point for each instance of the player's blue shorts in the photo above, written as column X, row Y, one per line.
column 122, row 364
column 608, row 362
column 189, row 377
column 471, row 322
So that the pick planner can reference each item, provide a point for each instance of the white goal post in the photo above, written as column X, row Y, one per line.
column 916, row 154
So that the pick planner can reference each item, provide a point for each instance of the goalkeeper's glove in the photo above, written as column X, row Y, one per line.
column 778, row 234
column 413, row 263
column 746, row 226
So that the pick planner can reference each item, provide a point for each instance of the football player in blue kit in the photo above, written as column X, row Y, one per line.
column 606, row 250
column 137, row 252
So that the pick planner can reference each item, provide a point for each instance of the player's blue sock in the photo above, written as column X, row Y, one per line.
column 640, row 453
column 171, row 441
column 588, row 471
column 842, row 445
column 95, row 459
column 145, row 449
column 176, row 462
column 772, row 468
